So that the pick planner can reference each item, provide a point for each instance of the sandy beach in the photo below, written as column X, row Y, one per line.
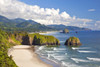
column 24, row 56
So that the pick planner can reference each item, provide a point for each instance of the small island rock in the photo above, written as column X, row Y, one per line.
column 73, row 41
column 65, row 31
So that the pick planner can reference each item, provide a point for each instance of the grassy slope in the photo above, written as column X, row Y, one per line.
column 44, row 39
column 5, row 60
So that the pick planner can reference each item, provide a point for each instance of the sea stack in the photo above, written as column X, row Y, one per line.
column 65, row 31
column 73, row 41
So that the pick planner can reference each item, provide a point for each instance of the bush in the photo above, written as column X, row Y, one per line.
column 5, row 60
column 44, row 39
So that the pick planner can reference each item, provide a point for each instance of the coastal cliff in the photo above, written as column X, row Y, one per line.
column 34, row 39
column 44, row 40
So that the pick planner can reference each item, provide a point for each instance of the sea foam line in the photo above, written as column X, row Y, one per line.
column 79, row 60
column 59, row 49
column 67, row 64
column 40, row 48
column 81, row 51
column 94, row 59
column 50, row 51
column 74, row 48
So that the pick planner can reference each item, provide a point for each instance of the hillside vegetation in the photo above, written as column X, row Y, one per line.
column 33, row 39
column 19, row 24
column 5, row 60
column 43, row 40
column 8, row 40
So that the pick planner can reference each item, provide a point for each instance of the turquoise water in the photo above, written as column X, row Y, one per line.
column 87, row 55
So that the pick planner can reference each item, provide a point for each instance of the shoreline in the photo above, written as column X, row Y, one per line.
column 47, row 60
column 25, row 56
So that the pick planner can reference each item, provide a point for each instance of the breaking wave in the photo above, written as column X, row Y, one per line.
column 81, row 51
column 94, row 59
column 77, row 60
column 74, row 48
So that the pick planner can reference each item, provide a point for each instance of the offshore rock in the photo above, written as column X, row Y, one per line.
column 73, row 41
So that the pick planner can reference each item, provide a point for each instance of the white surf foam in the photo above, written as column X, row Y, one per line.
column 59, row 49
column 94, row 59
column 64, row 63
column 77, row 60
column 50, row 51
column 49, row 55
column 40, row 48
column 74, row 48
column 51, row 60
column 59, row 57
column 81, row 51
column 67, row 64
column 65, row 53
column 55, row 49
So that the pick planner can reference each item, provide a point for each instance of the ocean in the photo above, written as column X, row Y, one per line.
column 87, row 55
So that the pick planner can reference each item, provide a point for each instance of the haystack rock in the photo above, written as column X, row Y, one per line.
column 73, row 41
column 65, row 31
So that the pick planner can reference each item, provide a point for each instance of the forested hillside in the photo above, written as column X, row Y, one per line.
column 20, row 24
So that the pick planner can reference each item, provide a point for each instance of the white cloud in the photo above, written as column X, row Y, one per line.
column 96, row 25
column 91, row 10
column 65, row 15
column 17, row 9
column 97, row 21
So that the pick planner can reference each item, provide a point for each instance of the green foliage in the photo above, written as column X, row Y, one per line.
column 73, row 42
column 14, row 40
column 5, row 60
column 52, row 45
column 74, row 39
column 20, row 24
column 44, row 39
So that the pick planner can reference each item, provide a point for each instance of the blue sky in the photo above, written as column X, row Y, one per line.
column 78, row 8
column 81, row 13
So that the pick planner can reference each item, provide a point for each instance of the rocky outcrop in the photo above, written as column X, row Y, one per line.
column 45, row 40
column 25, row 40
column 34, row 39
column 65, row 31
column 73, row 41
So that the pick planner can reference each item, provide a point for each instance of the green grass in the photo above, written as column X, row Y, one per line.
column 74, row 38
column 44, row 39
column 5, row 60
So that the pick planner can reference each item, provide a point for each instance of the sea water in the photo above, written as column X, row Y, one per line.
column 87, row 55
